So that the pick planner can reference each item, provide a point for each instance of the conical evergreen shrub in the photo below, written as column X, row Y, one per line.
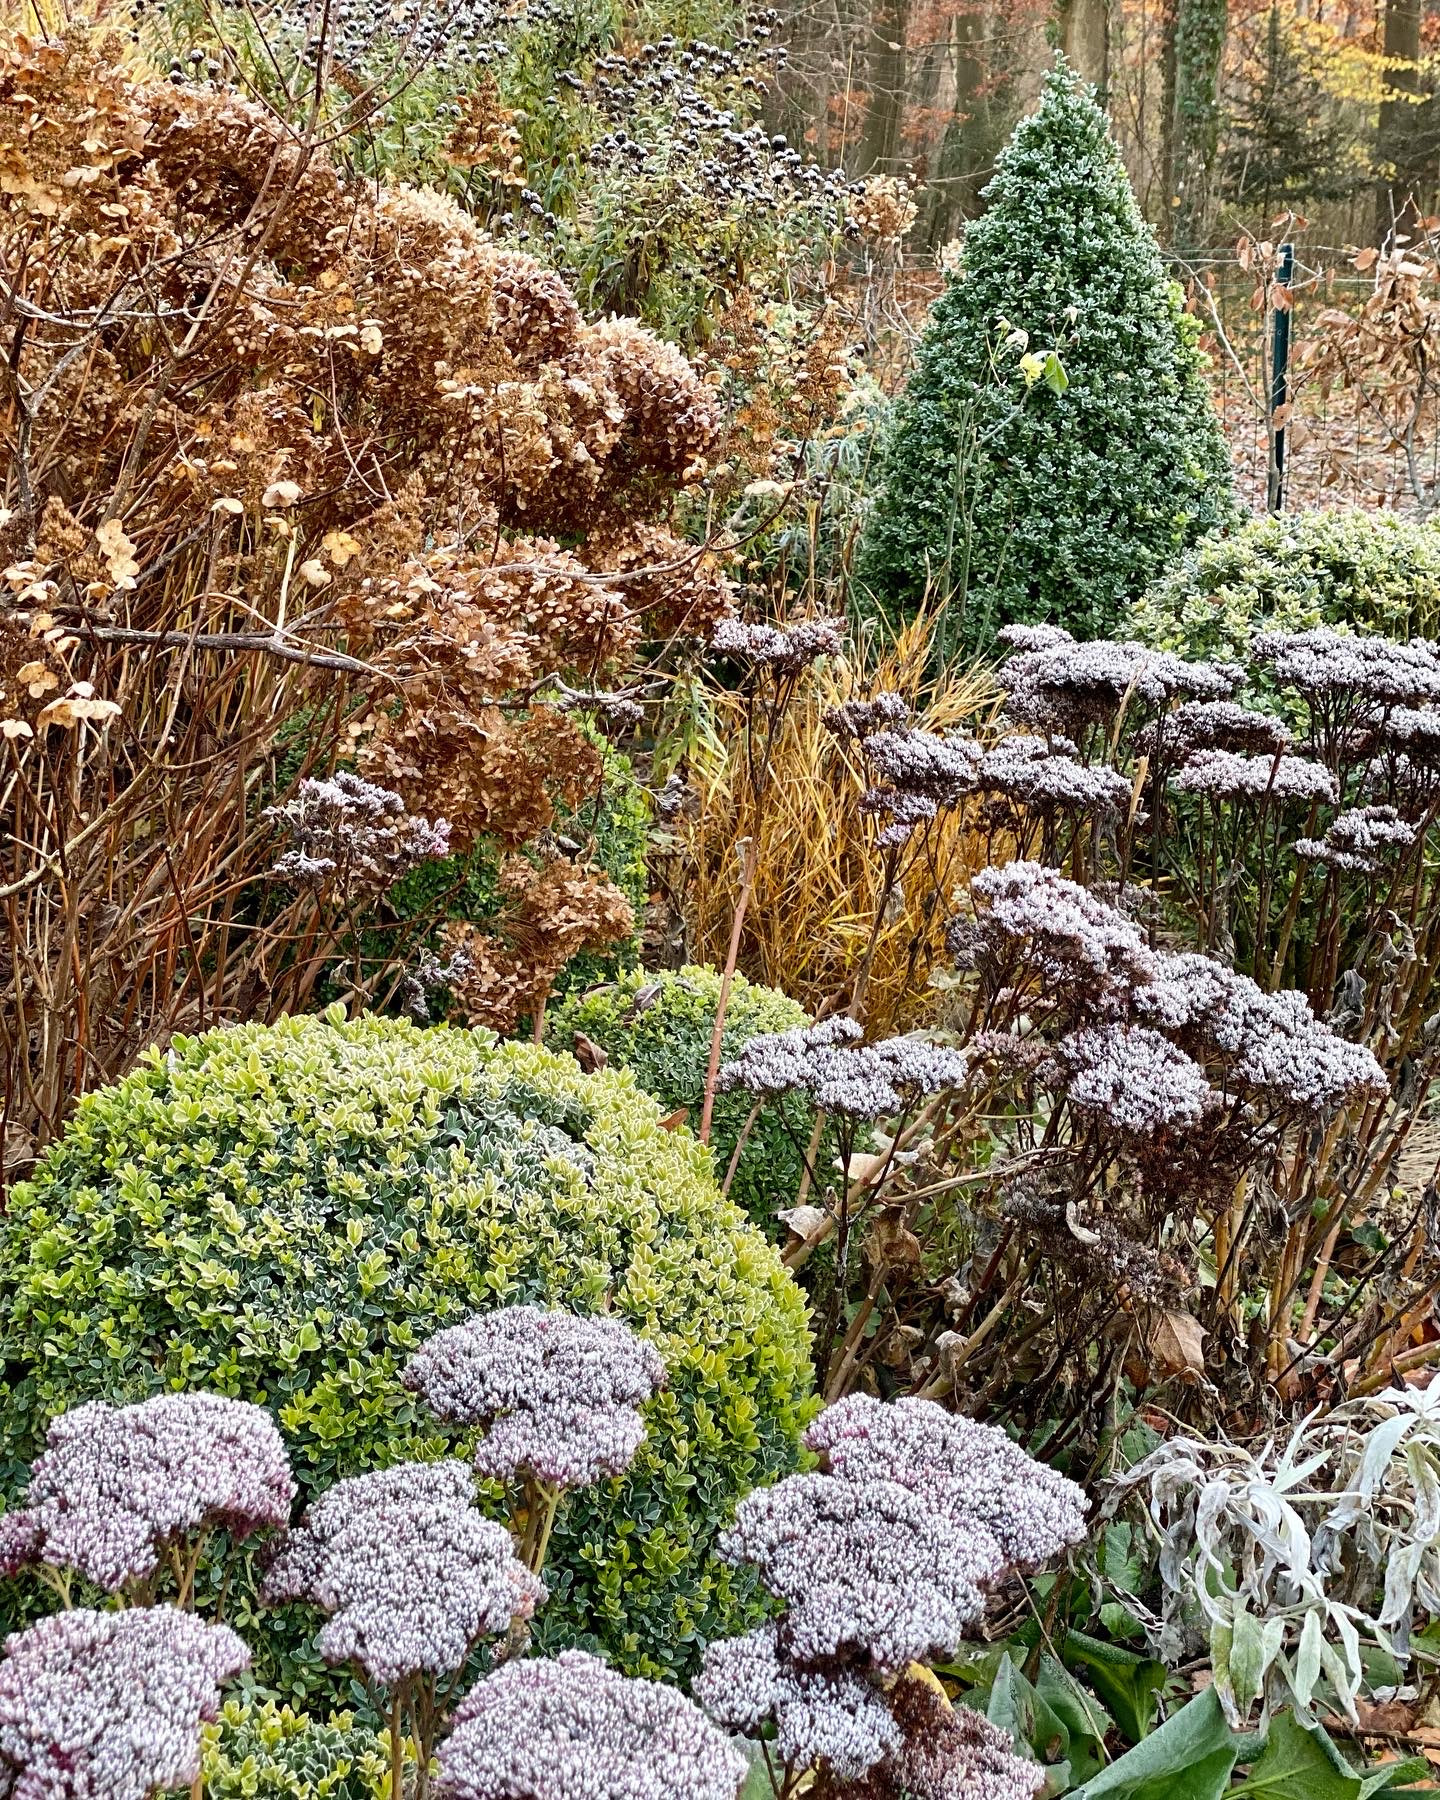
column 1023, row 485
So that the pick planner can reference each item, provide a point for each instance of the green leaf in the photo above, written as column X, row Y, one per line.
column 1297, row 1764
column 1189, row 1758
column 1015, row 1706
column 1127, row 1684
column 1055, row 377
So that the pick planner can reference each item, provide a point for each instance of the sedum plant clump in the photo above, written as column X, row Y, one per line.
column 1056, row 445
column 658, row 1026
column 285, row 1213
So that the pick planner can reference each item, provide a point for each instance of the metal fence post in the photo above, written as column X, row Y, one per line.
column 1279, row 372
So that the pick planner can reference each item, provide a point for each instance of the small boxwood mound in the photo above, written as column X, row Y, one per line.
column 659, row 1026
column 257, row 1750
column 1291, row 572
column 283, row 1213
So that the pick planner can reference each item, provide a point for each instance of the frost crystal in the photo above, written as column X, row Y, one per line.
column 410, row 1572
column 865, row 1081
column 115, row 1484
column 1325, row 664
column 1358, row 839
column 353, row 834
column 784, row 652
column 1225, row 775
column 572, row 1729
column 1134, row 1079
column 967, row 1471
column 108, row 1705
column 557, row 1393
column 833, row 1712
column 865, row 1567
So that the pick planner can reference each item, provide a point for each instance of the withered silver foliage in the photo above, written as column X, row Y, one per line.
column 834, row 1712
column 557, row 1393
column 961, row 1468
column 410, row 1572
column 115, row 1484
column 571, row 1728
column 353, row 835
column 860, row 1081
column 108, row 1705
column 870, row 1568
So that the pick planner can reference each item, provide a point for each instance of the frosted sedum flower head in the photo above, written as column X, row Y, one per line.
column 865, row 1567
column 352, row 833
column 114, row 1484
column 1132, row 1079
column 968, row 1471
column 1226, row 776
column 411, row 1574
column 1213, row 725
column 864, row 718
column 1325, row 663
column 1069, row 934
column 788, row 651
column 832, row 1713
column 866, row 1081
column 572, row 1729
column 108, row 1705
column 1056, row 684
column 557, row 1393
column 1043, row 773
column 1359, row 840
column 946, row 1753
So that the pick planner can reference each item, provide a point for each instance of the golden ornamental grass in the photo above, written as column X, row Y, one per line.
column 820, row 879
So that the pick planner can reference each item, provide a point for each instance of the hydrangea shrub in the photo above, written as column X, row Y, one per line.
column 285, row 1214
column 1293, row 572
column 1060, row 499
column 658, row 1027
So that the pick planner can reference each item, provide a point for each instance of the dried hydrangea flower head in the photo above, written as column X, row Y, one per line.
column 354, row 835
column 410, row 1572
column 1326, row 665
column 782, row 652
column 108, row 1705
column 856, row 1081
column 557, row 1393
column 1224, row 775
column 572, row 1729
column 1359, row 840
column 834, row 1713
column 945, row 1753
column 866, row 1568
column 1131, row 1079
column 116, row 1484
column 963, row 1469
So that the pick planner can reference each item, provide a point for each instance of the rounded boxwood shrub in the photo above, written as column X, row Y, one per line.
column 284, row 1213
column 257, row 1750
column 658, row 1026
column 1292, row 572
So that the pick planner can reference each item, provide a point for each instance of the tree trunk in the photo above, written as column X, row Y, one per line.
column 1397, row 194
column 885, row 73
column 1084, row 27
column 1200, row 27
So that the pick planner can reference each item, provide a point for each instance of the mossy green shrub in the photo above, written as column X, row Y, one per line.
column 1292, row 572
column 284, row 1213
column 1056, row 444
column 257, row 1750
column 659, row 1027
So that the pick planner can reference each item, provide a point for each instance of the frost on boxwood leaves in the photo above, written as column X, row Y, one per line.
column 285, row 1214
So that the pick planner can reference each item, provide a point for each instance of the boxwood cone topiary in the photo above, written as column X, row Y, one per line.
column 285, row 1213
column 1018, row 488
column 658, row 1027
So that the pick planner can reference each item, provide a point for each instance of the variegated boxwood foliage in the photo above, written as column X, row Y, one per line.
column 257, row 1750
column 286, row 1213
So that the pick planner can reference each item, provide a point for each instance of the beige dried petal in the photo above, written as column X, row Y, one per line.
column 371, row 339
column 59, row 712
column 15, row 728
column 281, row 493
column 228, row 504
column 315, row 572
